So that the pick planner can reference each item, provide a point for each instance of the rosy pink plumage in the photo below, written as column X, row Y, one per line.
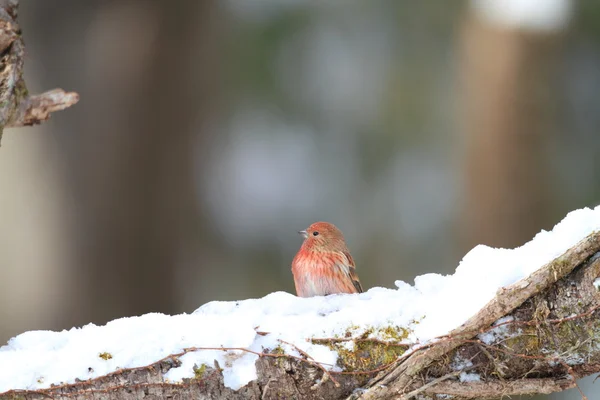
column 323, row 264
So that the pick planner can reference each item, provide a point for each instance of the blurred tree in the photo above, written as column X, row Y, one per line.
column 131, row 158
column 510, row 93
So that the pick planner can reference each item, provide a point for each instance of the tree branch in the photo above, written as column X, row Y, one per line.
column 507, row 299
column 17, row 107
column 547, row 342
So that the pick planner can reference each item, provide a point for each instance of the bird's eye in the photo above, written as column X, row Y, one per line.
column 315, row 233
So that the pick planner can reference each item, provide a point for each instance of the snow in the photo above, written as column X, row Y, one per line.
column 433, row 306
column 459, row 363
column 597, row 283
column 530, row 15
column 467, row 377
column 499, row 333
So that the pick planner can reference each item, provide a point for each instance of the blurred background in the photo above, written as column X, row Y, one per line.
column 209, row 132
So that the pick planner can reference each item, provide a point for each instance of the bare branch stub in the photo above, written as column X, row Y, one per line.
column 17, row 107
column 35, row 109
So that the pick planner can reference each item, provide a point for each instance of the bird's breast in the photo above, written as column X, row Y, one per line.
column 318, row 274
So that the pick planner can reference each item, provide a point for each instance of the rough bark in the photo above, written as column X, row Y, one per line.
column 549, row 341
column 17, row 107
column 537, row 345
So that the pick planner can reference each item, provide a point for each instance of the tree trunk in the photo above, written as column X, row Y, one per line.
column 147, row 119
column 508, row 81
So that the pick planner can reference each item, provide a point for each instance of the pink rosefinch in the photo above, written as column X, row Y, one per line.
column 323, row 264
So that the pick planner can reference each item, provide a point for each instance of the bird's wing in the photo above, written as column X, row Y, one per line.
column 350, row 269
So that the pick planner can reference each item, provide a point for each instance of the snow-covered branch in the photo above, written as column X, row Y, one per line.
column 17, row 107
column 508, row 322
column 542, row 327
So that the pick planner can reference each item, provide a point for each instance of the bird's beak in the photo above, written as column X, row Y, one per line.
column 303, row 233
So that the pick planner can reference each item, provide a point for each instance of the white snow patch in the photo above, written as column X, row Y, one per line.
column 575, row 359
column 530, row 15
column 597, row 283
column 467, row 377
column 432, row 307
column 460, row 364
column 498, row 333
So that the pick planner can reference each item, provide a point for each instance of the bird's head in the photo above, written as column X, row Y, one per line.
column 323, row 236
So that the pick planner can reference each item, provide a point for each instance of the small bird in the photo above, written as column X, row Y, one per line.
column 323, row 264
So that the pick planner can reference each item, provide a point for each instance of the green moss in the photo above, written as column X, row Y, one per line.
column 371, row 347
column 199, row 371
column 21, row 90
column 393, row 333
column 570, row 335
column 527, row 342
column 366, row 355
column 277, row 350
column 279, row 360
column 388, row 333
column 105, row 356
column 567, row 338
